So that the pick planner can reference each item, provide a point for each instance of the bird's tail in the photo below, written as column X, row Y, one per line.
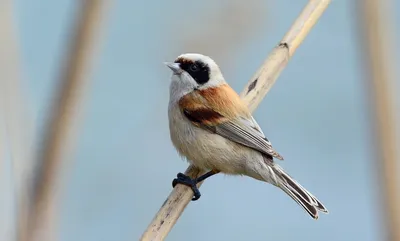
column 298, row 193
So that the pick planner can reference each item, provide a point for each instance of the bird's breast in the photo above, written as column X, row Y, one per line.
column 202, row 148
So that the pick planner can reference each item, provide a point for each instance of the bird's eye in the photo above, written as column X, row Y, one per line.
column 194, row 67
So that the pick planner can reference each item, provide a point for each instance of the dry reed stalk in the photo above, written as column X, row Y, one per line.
column 63, row 117
column 253, row 93
column 18, row 136
column 376, row 37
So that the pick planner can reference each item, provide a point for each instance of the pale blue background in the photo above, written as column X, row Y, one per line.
column 316, row 115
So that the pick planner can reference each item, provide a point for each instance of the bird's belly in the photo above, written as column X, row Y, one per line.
column 206, row 150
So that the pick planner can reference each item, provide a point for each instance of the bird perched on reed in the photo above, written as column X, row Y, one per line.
column 211, row 126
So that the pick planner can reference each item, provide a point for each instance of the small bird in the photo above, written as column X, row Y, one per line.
column 213, row 129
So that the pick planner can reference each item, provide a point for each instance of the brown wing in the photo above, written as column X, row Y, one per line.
column 225, row 116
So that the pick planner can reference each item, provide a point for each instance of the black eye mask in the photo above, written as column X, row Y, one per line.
column 199, row 71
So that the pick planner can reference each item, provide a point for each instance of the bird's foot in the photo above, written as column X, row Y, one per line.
column 185, row 180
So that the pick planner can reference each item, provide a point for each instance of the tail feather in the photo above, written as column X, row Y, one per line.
column 319, row 205
column 306, row 206
column 298, row 193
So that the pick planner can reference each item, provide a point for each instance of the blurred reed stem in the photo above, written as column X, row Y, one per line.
column 18, row 131
column 252, row 95
column 376, row 37
column 63, row 119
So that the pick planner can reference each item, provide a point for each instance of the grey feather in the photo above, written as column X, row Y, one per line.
column 248, row 133
column 299, row 194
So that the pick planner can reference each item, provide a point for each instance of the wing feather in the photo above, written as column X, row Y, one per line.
column 199, row 108
column 241, row 133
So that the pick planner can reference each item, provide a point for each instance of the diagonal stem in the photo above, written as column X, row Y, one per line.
column 252, row 95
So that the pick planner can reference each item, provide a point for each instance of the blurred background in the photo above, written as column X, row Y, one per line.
column 121, row 163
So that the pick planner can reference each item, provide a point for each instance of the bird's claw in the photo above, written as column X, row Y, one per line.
column 185, row 180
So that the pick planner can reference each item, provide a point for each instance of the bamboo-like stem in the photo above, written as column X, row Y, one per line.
column 377, row 42
column 253, row 93
column 18, row 124
column 65, row 112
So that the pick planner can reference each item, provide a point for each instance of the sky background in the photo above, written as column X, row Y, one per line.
column 317, row 115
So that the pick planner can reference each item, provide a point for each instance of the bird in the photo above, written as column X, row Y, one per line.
column 212, row 128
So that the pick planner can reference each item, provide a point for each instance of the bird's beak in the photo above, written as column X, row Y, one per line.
column 175, row 67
